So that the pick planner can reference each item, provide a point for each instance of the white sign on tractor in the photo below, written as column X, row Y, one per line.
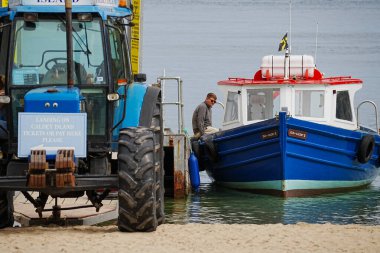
column 51, row 132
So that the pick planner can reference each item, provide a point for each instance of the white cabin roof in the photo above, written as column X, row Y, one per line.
column 307, row 94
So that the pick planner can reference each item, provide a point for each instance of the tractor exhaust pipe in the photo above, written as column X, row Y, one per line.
column 69, row 43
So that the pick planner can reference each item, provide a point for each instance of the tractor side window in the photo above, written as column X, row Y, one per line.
column 95, row 101
column 117, row 59
column 4, row 38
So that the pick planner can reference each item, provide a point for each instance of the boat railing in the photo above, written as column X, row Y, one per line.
column 374, row 106
column 161, row 82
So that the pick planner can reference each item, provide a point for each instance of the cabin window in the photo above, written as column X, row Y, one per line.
column 343, row 106
column 262, row 103
column 117, row 54
column 232, row 110
column 310, row 103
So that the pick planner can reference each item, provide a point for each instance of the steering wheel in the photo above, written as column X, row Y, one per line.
column 55, row 60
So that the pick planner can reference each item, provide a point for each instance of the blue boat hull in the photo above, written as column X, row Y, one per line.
column 288, row 157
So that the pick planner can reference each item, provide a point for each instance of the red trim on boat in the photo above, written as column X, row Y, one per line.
column 317, row 78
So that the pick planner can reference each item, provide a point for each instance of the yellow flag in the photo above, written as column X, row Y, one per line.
column 284, row 43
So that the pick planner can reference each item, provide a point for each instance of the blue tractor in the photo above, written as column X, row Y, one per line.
column 74, row 119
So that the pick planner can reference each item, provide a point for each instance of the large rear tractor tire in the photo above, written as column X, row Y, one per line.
column 157, row 127
column 137, row 180
column 6, row 209
column 151, row 117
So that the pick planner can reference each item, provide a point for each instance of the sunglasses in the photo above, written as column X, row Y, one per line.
column 213, row 101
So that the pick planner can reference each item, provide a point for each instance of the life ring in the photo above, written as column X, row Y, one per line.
column 211, row 149
column 366, row 147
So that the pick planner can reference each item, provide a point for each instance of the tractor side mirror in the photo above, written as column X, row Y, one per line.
column 29, row 26
column 140, row 78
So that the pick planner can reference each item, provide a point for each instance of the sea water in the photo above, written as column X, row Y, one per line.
column 204, row 41
column 216, row 204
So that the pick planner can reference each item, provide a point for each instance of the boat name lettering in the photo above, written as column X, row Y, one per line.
column 269, row 134
column 297, row 134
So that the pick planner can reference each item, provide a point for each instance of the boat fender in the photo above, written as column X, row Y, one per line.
column 366, row 147
column 197, row 152
column 194, row 171
column 211, row 148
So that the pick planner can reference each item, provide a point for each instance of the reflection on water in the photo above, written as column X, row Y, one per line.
column 215, row 204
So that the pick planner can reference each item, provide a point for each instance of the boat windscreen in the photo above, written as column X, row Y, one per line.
column 262, row 103
column 309, row 103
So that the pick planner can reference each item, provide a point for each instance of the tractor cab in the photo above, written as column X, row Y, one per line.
column 77, row 117
column 34, row 56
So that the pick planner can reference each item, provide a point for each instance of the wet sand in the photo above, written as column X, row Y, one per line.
column 195, row 238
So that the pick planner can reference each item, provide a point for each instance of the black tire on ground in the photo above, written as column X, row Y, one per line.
column 6, row 209
column 137, row 180
column 151, row 117
column 366, row 147
column 157, row 127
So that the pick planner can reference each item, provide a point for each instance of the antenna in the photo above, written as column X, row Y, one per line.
column 290, row 24
column 289, row 48
column 316, row 45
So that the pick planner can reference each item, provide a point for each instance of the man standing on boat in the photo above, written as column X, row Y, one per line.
column 202, row 117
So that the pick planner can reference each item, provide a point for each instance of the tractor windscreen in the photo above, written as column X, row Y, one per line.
column 40, row 52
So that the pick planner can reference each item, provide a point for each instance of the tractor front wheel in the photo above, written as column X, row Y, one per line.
column 137, row 180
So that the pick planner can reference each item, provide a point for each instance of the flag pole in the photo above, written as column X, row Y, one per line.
column 316, row 45
column 287, row 65
column 289, row 48
column 290, row 26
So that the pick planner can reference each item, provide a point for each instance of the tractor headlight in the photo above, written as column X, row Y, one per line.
column 113, row 97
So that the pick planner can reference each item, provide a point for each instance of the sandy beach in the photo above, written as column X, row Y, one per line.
column 195, row 238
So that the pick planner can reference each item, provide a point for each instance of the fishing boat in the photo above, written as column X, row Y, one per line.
column 291, row 131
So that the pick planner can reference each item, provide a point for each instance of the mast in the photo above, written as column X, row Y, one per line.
column 316, row 45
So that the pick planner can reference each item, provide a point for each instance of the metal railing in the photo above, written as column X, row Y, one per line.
column 161, row 81
column 374, row 106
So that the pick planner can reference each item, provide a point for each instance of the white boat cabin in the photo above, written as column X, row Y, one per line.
column 291, row 84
